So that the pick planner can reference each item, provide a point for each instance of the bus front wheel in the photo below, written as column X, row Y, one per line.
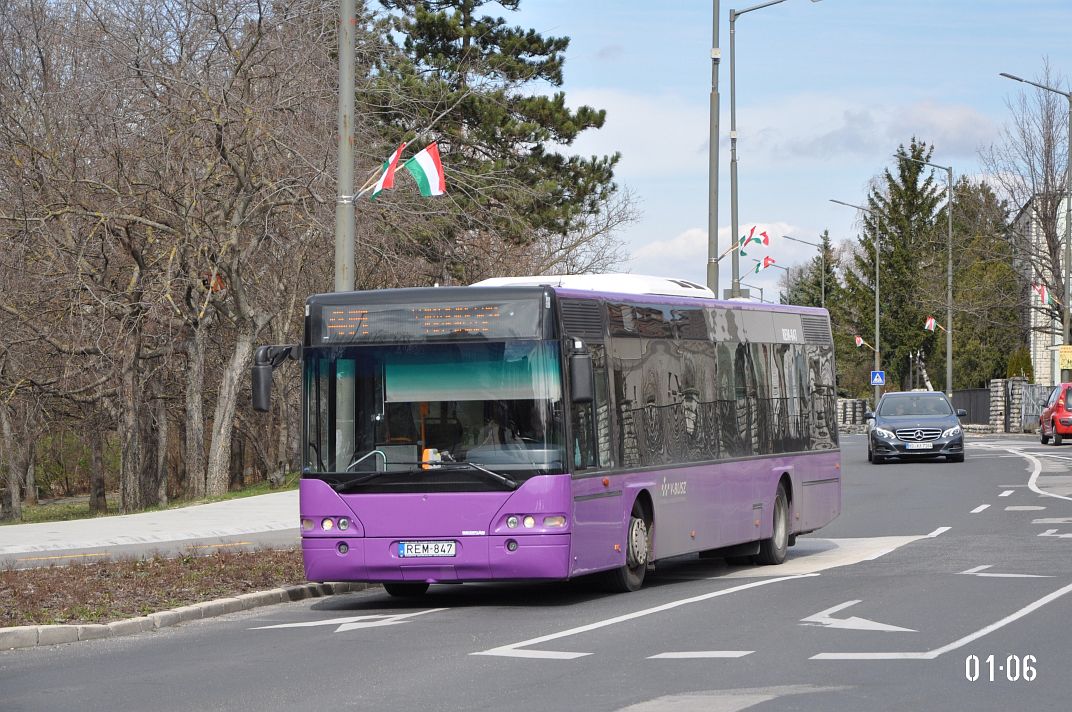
column 637, row 553
column 773, row 550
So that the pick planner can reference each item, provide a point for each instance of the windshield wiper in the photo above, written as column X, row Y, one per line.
column 506, row 480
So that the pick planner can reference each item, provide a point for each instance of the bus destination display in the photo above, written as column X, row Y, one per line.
column 368, row 323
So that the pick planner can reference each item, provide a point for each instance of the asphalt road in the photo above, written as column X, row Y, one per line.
column 931, row 569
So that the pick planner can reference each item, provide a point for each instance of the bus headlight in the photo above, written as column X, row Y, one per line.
column 511, row 521
column 307, row 524
column 556, row 521
column 327, row 525
column 344, row 524
column 529, row 521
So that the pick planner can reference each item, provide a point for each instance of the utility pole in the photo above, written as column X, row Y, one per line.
column 344, row 203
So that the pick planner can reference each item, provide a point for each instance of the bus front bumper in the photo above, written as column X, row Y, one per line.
column 476, row 558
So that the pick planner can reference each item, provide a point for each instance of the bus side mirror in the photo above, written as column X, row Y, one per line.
column 262, row 387
column 265, row 360
column 581, row 377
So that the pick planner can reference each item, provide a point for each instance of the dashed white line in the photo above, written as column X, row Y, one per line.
column 696, row 654
column 938, row 532
column 1006, row 493
column 1024, row 508
column 980, row 508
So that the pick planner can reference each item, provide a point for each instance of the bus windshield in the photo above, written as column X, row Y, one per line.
column 435, row 416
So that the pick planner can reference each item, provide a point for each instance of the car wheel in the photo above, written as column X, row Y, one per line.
column 957, row 458
column 877, row 459
column 1043, row 437
column 1056, row 435
column 870, row 455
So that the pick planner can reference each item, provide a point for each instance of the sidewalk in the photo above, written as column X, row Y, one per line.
column 235, row 517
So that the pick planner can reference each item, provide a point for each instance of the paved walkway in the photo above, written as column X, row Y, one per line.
column 235, row 517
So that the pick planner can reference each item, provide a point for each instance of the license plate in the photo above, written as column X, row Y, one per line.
column 419, row 549
column 919, row 446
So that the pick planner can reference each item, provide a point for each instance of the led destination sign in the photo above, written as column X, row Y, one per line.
column 414, row 322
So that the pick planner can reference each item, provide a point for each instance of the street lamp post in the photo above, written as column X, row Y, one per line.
column 734, row 226
column 822, row 266
column 746, row 284
column 712, row 160
column 948, row 275
column 878, row 331
column 1066, row 375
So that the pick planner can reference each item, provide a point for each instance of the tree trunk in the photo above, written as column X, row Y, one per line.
column 219, row 458
column 30, row 492
column 277, row 471
column 195, row 416
column 97, row 500
column 130, row 436
column 12, row 505
column 161, row 474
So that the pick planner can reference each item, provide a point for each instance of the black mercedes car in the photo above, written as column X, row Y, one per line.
column 916, row 424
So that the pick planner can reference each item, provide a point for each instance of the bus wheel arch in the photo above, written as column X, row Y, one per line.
column 639, row 540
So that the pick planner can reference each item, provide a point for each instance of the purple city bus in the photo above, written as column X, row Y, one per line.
column 547, row 428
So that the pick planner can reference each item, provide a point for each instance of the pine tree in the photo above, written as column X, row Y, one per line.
column 904, row 209
column 468, row 82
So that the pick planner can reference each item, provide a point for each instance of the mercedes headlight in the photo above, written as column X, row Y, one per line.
column 883, row 433
column 951, row 432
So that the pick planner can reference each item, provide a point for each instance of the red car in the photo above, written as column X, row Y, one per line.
column 1056, row 419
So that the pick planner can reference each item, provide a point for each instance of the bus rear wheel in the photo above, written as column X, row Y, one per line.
column 406, row 590
column 637, row 554
column 773, row 550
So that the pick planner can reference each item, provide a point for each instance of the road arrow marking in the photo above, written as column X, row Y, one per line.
column 824, row 618
column 977, row 571
column 355, row 622
column 1053, row 533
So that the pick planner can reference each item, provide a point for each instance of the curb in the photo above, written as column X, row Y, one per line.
column 33, row 636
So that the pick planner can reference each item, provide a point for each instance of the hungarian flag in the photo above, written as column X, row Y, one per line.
column 387, row 178
column 1044, row 294
column 767, row 262
column 929, row 324
column 859, row 341
column 749, row 240
column 427, row 170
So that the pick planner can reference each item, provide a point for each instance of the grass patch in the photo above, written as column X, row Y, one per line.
column 107, row 591
column 79, row 509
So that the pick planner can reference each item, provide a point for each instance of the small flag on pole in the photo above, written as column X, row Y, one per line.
column 1044, row 294
column 387, row 178
column 745, row 241
column 859, row 341
column 764, row 264
column 929, row 324
column 427, row 170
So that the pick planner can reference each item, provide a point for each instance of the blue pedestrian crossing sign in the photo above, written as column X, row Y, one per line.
column 878, row 378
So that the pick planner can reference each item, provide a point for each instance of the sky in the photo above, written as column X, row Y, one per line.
column 826, row 92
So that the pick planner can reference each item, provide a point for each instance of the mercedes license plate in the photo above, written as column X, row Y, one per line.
column 919, row 446
column 416, row 549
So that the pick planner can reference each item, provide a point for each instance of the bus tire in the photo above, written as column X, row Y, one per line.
column 406, row 590
column 773, row 550
column 637, row 554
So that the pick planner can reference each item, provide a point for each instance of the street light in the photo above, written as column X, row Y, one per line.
column 755, row 287
column 878, row 332
column 734, row 235
column 822, row 266
column 948, row 275
column 712, row 160
column 1066, row 375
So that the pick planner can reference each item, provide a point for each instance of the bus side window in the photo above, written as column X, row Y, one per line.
column 590, row 421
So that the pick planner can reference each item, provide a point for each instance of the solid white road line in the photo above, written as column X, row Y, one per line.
column 980, row 508
column 932, row 654
column 694, row 654
column 514, row 649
